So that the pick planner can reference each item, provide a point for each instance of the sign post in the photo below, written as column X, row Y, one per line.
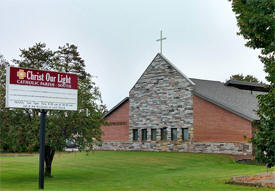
column 42, row 149
column 39, row 89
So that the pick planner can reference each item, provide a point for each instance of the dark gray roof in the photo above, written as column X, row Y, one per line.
column 116, row 106
column 238, row 101
column 247, row 85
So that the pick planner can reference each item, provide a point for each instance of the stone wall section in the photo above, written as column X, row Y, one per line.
column 161, row 98
column 195, row 147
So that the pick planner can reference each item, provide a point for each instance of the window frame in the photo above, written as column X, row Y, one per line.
column 153, row 135
column 174, row 138
column 183, row 136
column 135, row 134
column 163, row 134
column 144, row 134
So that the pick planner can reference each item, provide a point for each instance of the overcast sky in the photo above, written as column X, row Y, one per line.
column 117, row 39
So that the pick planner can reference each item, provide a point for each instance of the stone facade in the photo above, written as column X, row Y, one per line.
column 223, row 148
column 195, row 147
column 161, row 98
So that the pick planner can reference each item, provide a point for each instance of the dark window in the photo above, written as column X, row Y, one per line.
column 163, row 133
column 185, row 134
column 144, row 134
column 135, row 134
column 174, row 134
column 153, row 134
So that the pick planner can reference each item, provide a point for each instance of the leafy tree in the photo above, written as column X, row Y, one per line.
column 81, row 126
column 247, row 78
column 12, row 134
column 256, row 22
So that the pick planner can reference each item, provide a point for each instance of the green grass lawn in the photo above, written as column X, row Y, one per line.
column 127, row 171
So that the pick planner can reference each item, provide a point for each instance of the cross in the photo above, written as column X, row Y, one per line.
column 161, row 39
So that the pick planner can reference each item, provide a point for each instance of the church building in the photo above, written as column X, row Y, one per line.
column 168, row 111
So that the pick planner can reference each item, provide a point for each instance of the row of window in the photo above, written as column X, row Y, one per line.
column 163, row 134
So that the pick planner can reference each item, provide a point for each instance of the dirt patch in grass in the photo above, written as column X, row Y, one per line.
column 260, row 180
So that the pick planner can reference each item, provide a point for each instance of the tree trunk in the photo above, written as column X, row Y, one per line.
column 49, row 154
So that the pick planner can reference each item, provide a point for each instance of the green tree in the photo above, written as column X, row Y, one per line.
column 247, row 78
column 12, row 134
column 256, row 22
column 81, row 126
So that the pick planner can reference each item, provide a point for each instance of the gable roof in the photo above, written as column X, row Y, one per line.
column 159, row 55
column 238, row 101
column 233, row 96
column 116, row 107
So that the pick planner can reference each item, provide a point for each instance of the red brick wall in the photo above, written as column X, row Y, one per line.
column 117, row 132
column 215, row 124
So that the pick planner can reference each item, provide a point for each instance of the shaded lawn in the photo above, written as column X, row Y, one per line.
column 127, row 171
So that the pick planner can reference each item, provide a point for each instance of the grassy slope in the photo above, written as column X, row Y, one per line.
column 127, row 171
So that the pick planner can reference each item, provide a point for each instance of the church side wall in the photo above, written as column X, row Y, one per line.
column 118, row 128
column 215, row 124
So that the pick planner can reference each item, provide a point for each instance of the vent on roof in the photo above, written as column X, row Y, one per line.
column 247, row 85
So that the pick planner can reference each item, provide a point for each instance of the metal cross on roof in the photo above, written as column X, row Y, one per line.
column 161, row 39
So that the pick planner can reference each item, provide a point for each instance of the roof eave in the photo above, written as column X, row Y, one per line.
column 253, row 86
column 168, row 61
column 116, row 106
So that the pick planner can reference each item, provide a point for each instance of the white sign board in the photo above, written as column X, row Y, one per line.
column 38, row 89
